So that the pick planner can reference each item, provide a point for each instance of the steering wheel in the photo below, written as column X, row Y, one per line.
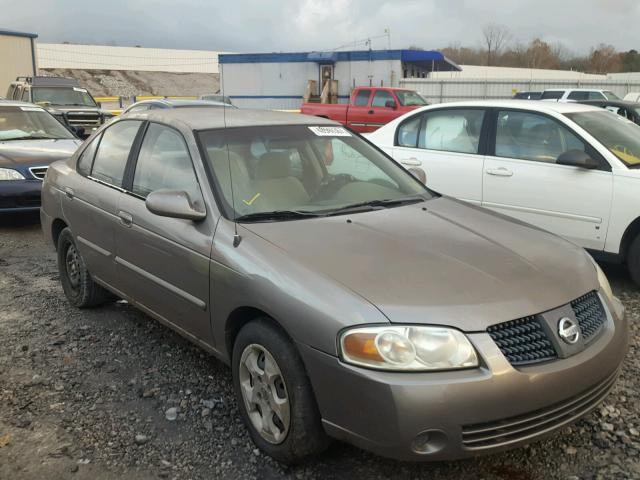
column 332, row 185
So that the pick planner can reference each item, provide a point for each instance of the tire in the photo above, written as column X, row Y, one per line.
column 78, row 286
column 303, row 435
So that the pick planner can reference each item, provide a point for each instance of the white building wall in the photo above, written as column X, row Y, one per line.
column 101, row 57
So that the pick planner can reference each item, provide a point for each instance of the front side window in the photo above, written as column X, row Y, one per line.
column 381, row 98
column 362, row 98
column 164, row 163
column 451, row 130
column 619, row 135
column 71, row 96
column 409, row 98
column 340, row 170
column 30, row 122
column 611, row 96
column 113, row 152
column 530, row 136
column 86, row 158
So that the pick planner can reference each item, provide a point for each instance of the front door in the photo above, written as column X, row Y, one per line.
column 522, row 179
column 164, row 262
column 446, row 144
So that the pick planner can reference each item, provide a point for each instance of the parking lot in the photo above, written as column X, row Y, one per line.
column 85, row 394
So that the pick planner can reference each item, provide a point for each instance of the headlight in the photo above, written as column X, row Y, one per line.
column 10, row 174
column 604, row 283
column 407, row 348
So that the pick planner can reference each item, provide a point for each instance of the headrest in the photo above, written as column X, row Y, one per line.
column 273, row 165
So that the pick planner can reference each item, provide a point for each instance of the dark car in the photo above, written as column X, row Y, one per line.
column 64, row 98
column 527, row 95
column 160, row 103
column 30, row 139
column 628, row 110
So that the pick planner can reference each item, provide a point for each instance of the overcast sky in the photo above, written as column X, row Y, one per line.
column 300, row 25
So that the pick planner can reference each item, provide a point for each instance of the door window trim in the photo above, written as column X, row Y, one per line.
column 484, row 129
column 605, row 166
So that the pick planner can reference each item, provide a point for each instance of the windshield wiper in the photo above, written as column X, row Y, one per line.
column 277, row 215
column 372, row 204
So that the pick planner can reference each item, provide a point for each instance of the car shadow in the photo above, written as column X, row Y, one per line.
column 26, row 220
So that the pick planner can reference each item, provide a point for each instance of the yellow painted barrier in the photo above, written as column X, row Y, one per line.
column 106, row 99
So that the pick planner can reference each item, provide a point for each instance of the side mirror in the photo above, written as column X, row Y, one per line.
column 577, row 158
column 174, row 204
column 391, row 104
column 99, row 104
column 419, row 173
column 78, row 131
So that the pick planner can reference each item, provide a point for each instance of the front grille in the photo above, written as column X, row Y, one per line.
column 38, row 172
column 524, row 427
column 522, row 341
column 590, row 315
column 83, row 119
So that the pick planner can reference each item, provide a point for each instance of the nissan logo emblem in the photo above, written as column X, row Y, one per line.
column 568, row 330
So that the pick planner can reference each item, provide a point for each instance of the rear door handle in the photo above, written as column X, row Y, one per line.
column 500, row 172
column 125, row 218
column 69, row 192
column 411, row 162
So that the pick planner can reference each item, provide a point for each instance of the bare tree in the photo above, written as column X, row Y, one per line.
column 495, row 37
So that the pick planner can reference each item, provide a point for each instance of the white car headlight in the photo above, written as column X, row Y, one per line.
column 407, row 348
column 10, row 174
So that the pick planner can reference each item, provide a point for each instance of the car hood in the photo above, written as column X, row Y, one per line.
column 31, row 152
column 452, row 264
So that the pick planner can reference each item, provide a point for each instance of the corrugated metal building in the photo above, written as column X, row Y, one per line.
column 103, row 57
column 278, row 80
column 17, row 57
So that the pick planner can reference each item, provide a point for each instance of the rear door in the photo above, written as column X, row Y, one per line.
column 521, row 178
column 358, row 116
column 163, row 263
column 90, row 203
column 448, row 145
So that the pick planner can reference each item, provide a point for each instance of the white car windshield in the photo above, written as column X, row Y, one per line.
column 619, row 135
column 304, row 170
column 26, row 122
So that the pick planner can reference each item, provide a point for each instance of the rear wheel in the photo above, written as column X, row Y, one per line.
column 274, row 394
column 78, row 286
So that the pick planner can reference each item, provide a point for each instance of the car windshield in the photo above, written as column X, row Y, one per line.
column 29, row 122
column 619, row 135
column 409, row 98
column 69, row 96
column 287, row 172
column 611, row 95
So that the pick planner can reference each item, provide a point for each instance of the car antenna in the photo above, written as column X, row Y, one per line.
column 236, row 236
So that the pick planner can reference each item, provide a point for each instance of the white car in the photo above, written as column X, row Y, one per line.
column 568, row 168
column 576, row 95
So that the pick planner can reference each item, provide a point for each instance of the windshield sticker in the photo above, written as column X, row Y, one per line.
column 31, row 109
column 330, row 131
column 250, row 202
column 83, row 90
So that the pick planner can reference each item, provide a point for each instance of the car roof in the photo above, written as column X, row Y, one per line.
column 535, row 105
column 613, row 103
column 216, row 117
column 576, row 90
column 182, row 102
column 16, row 103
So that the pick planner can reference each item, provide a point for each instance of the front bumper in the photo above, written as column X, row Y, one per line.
column 466, row 412
column 20, row 195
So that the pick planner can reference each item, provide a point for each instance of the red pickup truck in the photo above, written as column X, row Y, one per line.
column 369, row 107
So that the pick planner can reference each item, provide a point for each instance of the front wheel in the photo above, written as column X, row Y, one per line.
column 78, row 286
column 274, row 394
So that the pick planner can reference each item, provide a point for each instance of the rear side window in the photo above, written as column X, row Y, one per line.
column 408, row 132
column 552, row 94
column 579, row 96
column 111, row 158
column 25, row 95
column 86, row 158
column 362, row 98
column 164, row 163
column 451, row 130
column 381, row 98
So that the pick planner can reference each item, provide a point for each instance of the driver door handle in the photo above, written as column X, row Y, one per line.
column 371, row 112
column 499, row 172
column 125, row 218
column 411, row 162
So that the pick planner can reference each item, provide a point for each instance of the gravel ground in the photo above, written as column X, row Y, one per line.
column 90, row 394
